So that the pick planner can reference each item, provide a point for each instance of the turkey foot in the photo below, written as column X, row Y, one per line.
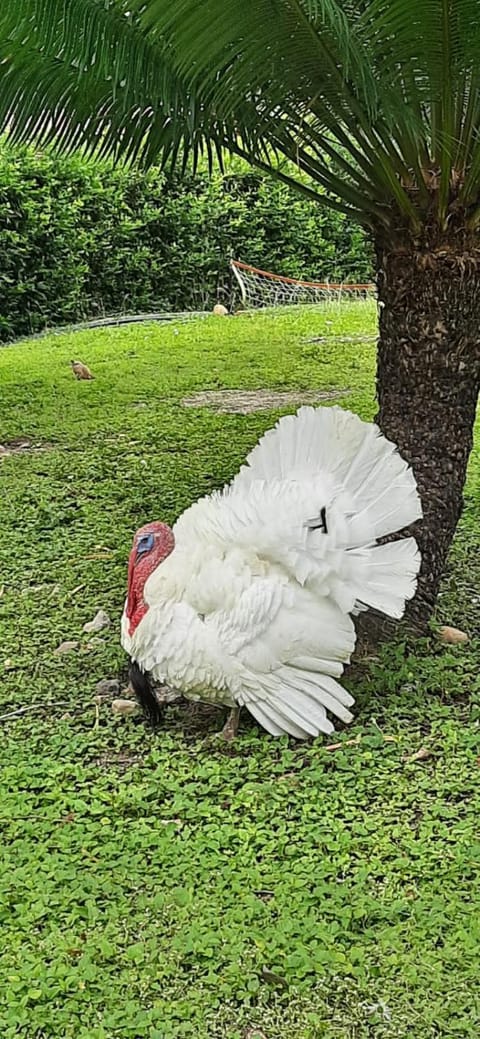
column 230, row 728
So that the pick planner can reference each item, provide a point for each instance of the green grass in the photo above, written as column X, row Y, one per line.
column 158, row 886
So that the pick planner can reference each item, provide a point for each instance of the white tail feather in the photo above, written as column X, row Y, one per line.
column 266, row 713
column 295, row 702
column 383, row 577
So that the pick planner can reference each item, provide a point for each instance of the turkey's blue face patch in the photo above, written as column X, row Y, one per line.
column 145, row 544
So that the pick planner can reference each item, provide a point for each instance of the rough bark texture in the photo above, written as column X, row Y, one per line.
column 428, row 377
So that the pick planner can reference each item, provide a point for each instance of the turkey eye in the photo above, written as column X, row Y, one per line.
column 145, row 543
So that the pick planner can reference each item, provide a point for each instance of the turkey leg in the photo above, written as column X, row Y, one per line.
column 230, row 728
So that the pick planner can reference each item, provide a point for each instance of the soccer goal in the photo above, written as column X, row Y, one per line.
column 264, row 289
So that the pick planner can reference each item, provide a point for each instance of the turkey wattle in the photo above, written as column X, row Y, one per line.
column 248, row 601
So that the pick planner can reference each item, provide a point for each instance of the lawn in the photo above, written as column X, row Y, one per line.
column 167, row 885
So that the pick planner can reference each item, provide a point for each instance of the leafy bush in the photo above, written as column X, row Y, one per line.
column 79, row 238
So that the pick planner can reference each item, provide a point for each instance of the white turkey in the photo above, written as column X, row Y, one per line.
column 248, row 600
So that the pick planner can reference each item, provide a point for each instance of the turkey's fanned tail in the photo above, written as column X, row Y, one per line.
column 379, row 495
column 373, row 494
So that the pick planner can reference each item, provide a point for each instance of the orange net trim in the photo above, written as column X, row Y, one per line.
column 328, row 286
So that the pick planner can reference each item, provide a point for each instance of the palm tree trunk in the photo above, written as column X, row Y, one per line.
column 428, row 376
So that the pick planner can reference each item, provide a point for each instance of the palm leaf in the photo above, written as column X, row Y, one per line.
column 367, row 103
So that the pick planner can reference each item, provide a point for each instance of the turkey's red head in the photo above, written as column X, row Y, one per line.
column 151, row 545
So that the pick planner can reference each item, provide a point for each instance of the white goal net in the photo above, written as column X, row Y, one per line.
column 263, row 289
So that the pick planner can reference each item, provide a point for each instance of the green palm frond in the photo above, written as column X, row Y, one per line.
column 79, row 72
column 374, row 104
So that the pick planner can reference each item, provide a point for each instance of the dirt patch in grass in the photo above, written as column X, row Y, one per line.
column 120, row 760
column 242, row 402
column 343, row 339
column 19, row 445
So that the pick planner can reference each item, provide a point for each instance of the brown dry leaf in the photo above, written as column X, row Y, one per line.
column 65, row 647
column 452, row 636
column 344, row 743
column 125, row 707
column 93, row 555
column 74, row 591
column 100, row 620
column 254, row 1033
column 420, row 755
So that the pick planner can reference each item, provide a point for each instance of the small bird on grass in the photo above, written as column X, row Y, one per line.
column 248, row 600
column 80, row 370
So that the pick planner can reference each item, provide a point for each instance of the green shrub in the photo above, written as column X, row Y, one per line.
column 79, row 238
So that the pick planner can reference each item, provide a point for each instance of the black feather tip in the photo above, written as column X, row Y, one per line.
column 142, row 688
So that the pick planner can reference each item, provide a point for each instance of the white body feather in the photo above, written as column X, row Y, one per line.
column 254, row 604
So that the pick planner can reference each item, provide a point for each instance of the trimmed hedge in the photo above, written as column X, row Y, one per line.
column 78, row 239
